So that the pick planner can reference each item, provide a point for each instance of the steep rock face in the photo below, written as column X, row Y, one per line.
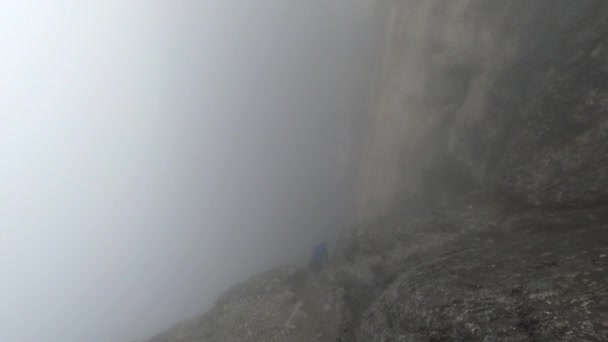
column 554, row 136
column 512, row 95
column 486, row 175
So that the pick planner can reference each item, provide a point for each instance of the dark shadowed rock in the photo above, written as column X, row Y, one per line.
column 535, row 277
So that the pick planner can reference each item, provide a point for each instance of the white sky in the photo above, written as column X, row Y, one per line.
column 154, row 152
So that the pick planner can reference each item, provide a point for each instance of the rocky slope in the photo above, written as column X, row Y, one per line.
column 486, row 174
column 478, row 272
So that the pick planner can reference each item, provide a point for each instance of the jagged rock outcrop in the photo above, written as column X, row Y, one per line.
column 488, row 162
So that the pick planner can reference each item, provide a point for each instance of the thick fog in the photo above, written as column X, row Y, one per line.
column 152, row 153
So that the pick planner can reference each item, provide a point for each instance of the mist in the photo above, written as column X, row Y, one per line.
column 155, row 153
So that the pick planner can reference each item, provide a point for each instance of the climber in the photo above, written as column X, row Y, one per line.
column 320, row 256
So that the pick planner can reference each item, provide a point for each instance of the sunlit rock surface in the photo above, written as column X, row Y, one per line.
column 483, row 186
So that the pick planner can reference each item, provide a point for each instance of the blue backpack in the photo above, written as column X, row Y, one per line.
column 319, row 256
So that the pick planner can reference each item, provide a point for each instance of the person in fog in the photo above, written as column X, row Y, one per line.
column 320, row 256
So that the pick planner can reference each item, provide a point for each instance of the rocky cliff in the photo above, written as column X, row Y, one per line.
column 504, row 96
column 483, row 188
